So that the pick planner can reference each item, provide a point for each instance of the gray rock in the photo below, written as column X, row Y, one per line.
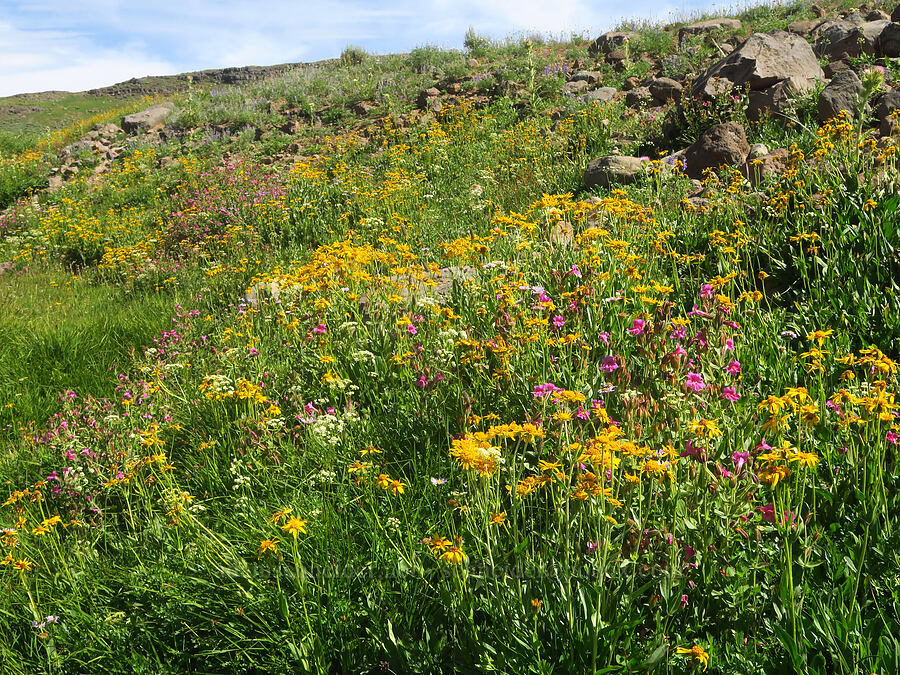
column 757, row 150
column 852, row 36
column 709, row 26
column 895, row 15
column 723, row 144
column 613, row 170
column 842, row 93
column 757, row 168
column 665, row 89
column 589, row 76
column 878, row 15
column 602, row 94
column 804, row 27
column 836, row 67
column 638, row 97
column 147, row 120
column 576, row 87
column 884, row 106
column 610, row 41
column 888, row 44
column 774, row 100
column 762, row 60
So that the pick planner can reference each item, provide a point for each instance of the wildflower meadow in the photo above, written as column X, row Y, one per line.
column 407, row 397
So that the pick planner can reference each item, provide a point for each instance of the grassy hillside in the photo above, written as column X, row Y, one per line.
column 339, row 374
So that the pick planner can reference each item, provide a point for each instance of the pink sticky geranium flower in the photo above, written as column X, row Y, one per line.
column 733, row 368
column 695, row 381
column 558, row 321
column 730, row 394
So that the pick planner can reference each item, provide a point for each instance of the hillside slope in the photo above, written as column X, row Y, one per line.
column 543, row 357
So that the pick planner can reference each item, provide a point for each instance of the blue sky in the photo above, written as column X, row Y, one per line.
column 80, row 44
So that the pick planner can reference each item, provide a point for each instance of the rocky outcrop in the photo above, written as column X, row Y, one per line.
column 761, row 61
column 147, row 120
column 884, row 106
column 708, row 26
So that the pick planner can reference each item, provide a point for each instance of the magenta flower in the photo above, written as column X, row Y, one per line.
column 412, row 330
column 695, row 381
column 422, row 381
column 729, row 345
column 542, row 390
column 733, row 368
column 679, row 350
column 604, row 338
column 558, row 321
column 684, row 600
column 637, row 327
column 730, row 394
column 891, row 437
column 707, row 291
column 592, row 547
column 739, row 458
column 320, row 329
column 609, row 364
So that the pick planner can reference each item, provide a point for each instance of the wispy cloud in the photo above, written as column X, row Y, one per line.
column 60, row 44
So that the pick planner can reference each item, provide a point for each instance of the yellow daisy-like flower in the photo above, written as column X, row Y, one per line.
column 453, row 555
column 697, row 653
column 498, row 518
column 294, row 526
column 267, row 546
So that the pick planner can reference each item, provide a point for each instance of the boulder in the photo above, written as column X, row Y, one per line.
column 576, row 87
column 895, row 15
column 845, row 37
column 665, row 89
column 878, row 15
column 842, row 93
column 804, row 27
column 762, row 60
column 836, row 67
column 613, row 170
column 884, row 106
column 610, row 41
column 638, row 97
column 708, row 26
column 589, row 76
column 425, row 97
column 774, row 100
column 888, row 43
column 601, row 95
column 757, row 168
column 147, row 120
column 723, row 144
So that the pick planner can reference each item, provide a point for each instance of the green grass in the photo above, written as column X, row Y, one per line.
column 636, row 431
column 60, row 332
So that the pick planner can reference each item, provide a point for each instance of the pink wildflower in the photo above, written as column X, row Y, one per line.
column 695, row 381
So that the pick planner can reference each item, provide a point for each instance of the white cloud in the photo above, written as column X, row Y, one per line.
column 60, row 44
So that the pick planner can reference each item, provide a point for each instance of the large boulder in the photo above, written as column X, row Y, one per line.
column 847, row 37
column 709, row 26
column 895, row 15
column 885, row 105
column 610, row 41
column 762, row 60
column 804, row 27
column 147, row 120
column 842, row 93
column 612, row 170
column 664, row 89
column 774, row 100
column 601, row 95
column 723, row 144
column 888, row 44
